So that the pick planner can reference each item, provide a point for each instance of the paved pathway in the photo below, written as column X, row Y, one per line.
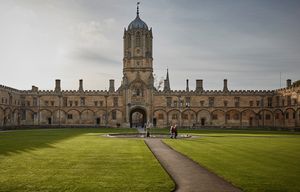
column 188, row 175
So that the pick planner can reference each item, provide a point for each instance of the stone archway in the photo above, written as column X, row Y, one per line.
column 137, row 117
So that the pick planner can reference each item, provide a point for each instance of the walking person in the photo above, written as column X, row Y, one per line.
column 172, row 131
column 175, row 131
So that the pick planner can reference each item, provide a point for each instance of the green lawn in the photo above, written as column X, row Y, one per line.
column 253, row 161
column 78, row 160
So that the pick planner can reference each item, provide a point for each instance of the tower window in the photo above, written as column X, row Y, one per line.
column 138, row 39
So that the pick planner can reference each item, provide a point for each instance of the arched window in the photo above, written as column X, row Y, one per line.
column 129, row 41
column 138, row 39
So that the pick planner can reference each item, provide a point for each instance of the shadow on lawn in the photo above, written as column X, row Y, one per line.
column 21, row 141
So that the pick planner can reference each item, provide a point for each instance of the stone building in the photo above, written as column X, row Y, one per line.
column 137, row 101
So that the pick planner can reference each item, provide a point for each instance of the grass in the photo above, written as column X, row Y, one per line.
column 78, row 160
column 251, row 160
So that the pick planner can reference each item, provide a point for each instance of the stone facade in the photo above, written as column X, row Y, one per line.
column 137, row 101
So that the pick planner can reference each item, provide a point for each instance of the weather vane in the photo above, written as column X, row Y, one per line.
column 137, row 7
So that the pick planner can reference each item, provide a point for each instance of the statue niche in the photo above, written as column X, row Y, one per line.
column 137, row 90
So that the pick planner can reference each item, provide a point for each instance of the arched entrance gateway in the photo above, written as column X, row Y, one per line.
column 137, row 117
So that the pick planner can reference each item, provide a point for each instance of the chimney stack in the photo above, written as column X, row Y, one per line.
column 111, row 85
column 34, row 88
column 80, row 85
column 288, row 82
column 187, row 85
column 57, row 85
column 225, row 87
column 199, row 85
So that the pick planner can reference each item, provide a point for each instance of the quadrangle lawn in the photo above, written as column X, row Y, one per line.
column 252, row 162
column 84, row 160
column 78, row 160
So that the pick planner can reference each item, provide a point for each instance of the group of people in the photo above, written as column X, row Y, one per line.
column 173, row 131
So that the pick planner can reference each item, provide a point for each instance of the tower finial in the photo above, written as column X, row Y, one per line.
column 137, row 8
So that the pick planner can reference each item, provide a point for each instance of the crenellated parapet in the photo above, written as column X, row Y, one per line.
column 216, row 92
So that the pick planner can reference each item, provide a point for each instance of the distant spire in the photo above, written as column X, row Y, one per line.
column 137, row 8
column 167, row 82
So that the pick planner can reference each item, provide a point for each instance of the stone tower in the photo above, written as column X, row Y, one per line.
column 138, row 69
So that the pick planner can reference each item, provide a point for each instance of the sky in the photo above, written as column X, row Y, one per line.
column 254, row 44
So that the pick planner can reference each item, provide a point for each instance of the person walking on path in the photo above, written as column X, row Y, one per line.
column 175, row 131
column 172, row 132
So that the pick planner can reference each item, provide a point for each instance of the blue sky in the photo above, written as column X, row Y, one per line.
column 248, row 42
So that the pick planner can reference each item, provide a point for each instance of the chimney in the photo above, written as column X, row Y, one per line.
column 80, row 85
column 199, row 85
column 225, row 88
column 34, row 88
column 288, row 82
column 111, row 85
column 187, row 85
column 57, row 85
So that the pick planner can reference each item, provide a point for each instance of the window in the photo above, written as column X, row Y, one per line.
column 174, row 116
column 160, row 116
column 283, row 102
column 227, row 116
column 138, row 39
column 101, row 103
column 76, row 103
column 35, row 101
column 175, row 104
column 236, row 101
column 251, row 103
column 96, row 103
column 215, row 116
column 181, row 103
column 294, row 101
column 70, row 116
column 187, row 101
column 211, row 101
column 277, row 100
column 277, row 116
column 169, row 101
column 28, row 103
column 116, row 101
column 289, row 101
column 287, row 115
column 268, row 116
column 294, row 115
column 114, row 115
column 46, row 103
column 65, row 101
column 52, row 103
column 70, row 103
column 129, row 41
column 23, row 114
column 201, row 103
column 82, row 101
column 257, row 103
column 262, row 102
column 225, row 103
column 269, row 101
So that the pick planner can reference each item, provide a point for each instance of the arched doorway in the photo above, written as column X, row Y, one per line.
column 138, row 117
